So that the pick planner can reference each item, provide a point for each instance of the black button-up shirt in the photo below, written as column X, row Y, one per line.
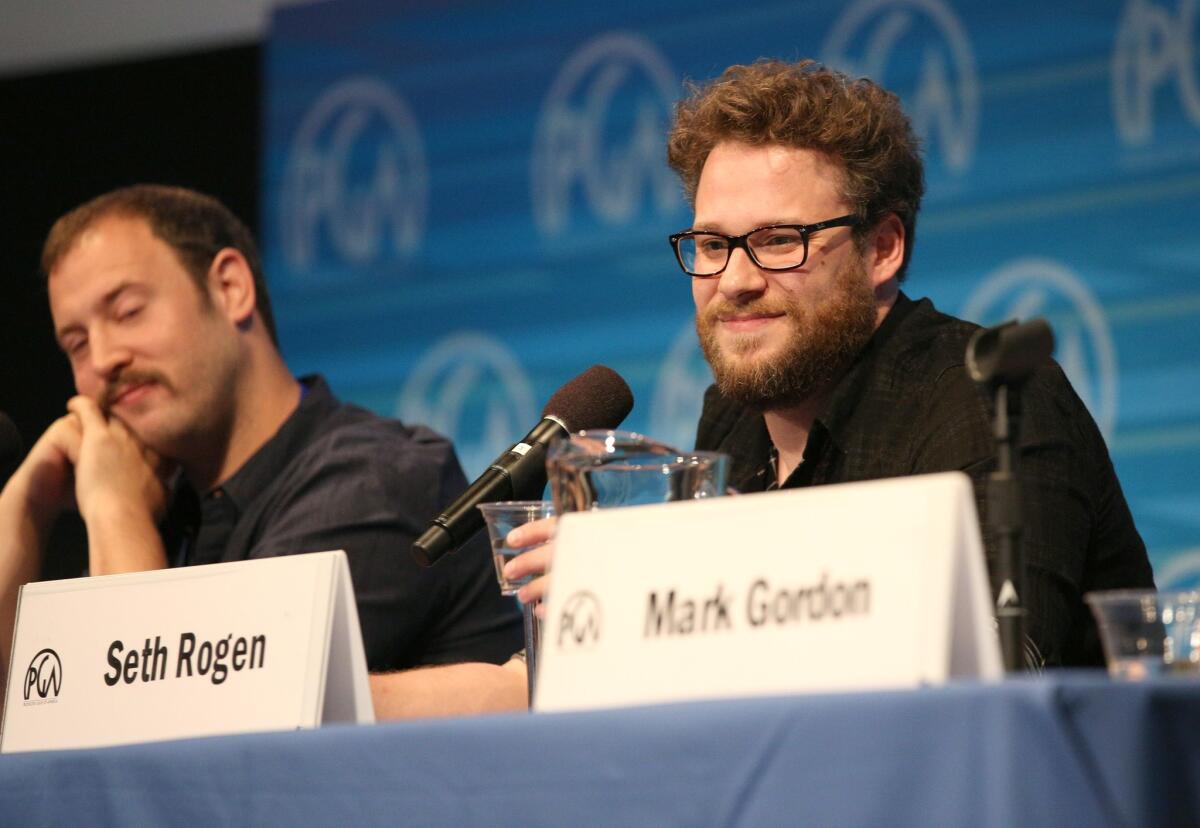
column 907, row 406
column 336, row 476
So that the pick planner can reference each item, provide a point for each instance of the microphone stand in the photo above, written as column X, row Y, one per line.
column 1005, row 522
column 1001, row 359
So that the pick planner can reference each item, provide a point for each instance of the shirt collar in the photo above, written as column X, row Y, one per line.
column 257, row 473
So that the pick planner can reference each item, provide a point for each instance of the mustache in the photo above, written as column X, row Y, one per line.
column 726, row 310
column 121, row 383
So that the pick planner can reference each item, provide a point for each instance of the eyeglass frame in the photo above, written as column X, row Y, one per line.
column 743, row 241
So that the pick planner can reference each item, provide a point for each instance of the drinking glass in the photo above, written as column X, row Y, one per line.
column 501, row 518
column 1148, row 634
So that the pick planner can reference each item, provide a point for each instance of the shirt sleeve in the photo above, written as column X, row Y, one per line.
column 372, row 496
column 1078, row 533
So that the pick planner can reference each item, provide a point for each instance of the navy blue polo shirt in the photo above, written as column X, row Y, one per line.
column 336, row 476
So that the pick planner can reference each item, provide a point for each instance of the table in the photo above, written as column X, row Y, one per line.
column 1072, row 749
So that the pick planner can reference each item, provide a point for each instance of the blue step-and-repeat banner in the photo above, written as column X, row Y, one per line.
column 466, row 204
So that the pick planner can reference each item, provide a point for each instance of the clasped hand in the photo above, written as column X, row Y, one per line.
column 95, row 463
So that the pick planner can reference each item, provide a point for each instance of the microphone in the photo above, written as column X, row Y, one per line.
column 597, row 398
column 10, row 447
column 1009, row 352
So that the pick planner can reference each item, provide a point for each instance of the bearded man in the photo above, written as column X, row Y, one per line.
column 806, row 186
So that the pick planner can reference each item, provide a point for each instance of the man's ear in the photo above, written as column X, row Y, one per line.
column 885, row 249
column 231, row 285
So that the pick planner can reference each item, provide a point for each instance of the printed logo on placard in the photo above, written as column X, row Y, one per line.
column 679, row 391
column 580, row 621
column 470, row 388
column 355, row 187
column 1084, row 345
column 1155, row 49
column 882, row 39
column 600, row 137
column 43, row 678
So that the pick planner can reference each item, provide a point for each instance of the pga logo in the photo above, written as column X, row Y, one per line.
column 880, row 39
column 580, row 621
column 1154, row 50
column 1032, row 286
column 43, row 677
column 599, row 142
column 355, row 189
column 470, row 388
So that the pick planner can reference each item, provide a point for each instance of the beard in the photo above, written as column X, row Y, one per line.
column 822, row 342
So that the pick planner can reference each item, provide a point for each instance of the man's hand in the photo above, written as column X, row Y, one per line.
column 43, row 485
column 94, row 462
column 535, row 562
column 113, row 471
column 120, row 493
column 38, row 491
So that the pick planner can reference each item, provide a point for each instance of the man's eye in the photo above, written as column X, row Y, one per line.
column 781, row 240
column 125, row 314
column 712, row 245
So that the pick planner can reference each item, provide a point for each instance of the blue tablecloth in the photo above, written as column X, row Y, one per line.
column 1067, row 750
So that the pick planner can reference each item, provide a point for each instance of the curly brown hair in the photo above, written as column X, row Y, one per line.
column 196, row 226
column 855, row 123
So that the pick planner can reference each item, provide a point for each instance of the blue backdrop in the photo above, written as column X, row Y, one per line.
column 467, row 204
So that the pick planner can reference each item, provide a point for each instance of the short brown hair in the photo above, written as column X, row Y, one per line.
column 196, row 226
column 856, row 124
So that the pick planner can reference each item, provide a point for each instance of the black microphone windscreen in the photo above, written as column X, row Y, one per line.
column 597, row 398
column 1010, row 352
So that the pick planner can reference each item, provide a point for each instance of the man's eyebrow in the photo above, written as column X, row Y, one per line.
column 720, row 227
column 111, row 296
column 106, row 300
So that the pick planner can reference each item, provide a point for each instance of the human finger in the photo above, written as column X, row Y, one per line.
column 89, row 413
column 532, row 533
column 534, row 562
column 535, row 591
column 65, row 434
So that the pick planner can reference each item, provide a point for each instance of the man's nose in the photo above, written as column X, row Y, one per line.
column 741, row 277
column 108, row 354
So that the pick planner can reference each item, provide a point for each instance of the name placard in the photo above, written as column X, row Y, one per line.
column 270, row 644
column 855, row 586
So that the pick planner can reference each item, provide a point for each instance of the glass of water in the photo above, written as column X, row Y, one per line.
column 1148, row 634
column 501, row 518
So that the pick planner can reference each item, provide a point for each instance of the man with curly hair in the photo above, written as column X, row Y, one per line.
column 806, row 185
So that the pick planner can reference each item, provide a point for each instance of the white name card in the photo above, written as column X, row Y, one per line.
column 270, row 644
column 855, row 586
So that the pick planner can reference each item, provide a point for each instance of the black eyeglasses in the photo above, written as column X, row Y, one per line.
column 774, row 247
